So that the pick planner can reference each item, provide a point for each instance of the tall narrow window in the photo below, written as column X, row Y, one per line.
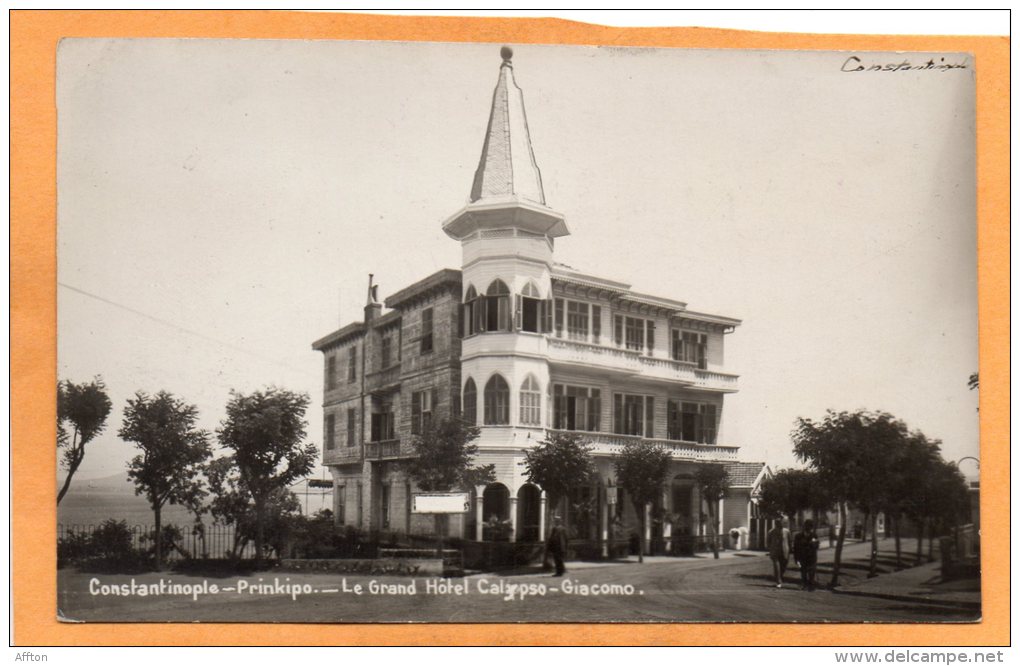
column 330, row 432
column 470, row 402
column 558, row 318
column 469, row 324
column 426, row 330
column 531, row 402
column 497, row 401
column 531, row 309
column 341, row 505
column 352, row 427
column 635, row 333
column 421, row 410
column 331, row 372
column 384, row 505
column 497, row 307
column 577, row 320
column 596, row 323
column 386, row 352
column 694, row 422
column 352, row 364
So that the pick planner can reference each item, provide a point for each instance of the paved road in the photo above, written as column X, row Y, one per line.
column 699, row 590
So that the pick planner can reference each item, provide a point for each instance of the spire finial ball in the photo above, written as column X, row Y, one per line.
column 506, row 53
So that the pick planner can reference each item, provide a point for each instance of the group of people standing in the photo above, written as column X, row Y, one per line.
column 804, row 547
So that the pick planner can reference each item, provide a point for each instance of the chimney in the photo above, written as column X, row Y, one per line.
column 373, row 308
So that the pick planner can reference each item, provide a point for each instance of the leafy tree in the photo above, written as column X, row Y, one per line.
column 853, row 454
column 265, row 430
column 790, row 491
column 173, row 453
column 442, row 461
column 713, row 482
column 912, row 467
column 83, row 408
column 641, row 471
column 560, row 462
column 232, row 505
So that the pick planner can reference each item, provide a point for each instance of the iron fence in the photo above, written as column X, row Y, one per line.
column 190, row 541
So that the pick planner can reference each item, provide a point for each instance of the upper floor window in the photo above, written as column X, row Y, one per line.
column 633, row 414
column 352, row 427
column 426, row 330
column 382, row 426
column 470, row 396
column 422, row 403
column 468, row 324
column 497, row 401
column 352, row 365
column 576, row 408
column 634, row 333
column 386, row 352
column 691, row 421
column 331, row 372
column 690, row 347
column 330, row 432
column 581, row 320
column 497, row 307
column 530, row 310
column 531, row 402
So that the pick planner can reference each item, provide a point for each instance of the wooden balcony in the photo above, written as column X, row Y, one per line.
column 609, row 444
column 388, row 449
column 632, row 362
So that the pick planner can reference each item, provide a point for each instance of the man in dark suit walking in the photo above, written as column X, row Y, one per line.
column 556, row 545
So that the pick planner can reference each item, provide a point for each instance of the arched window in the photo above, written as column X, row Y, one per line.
column 528, row 316
column 531, row 402
column 467, row 312
column 497, row 401
column 470, row 402
column 497, row 307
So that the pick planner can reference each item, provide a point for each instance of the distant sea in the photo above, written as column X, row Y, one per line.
column 92, row 501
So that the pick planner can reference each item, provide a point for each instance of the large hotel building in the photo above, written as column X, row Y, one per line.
column 522, row 347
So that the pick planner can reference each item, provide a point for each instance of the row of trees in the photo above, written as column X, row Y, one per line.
column 564, row 461
column 872, row 461
column 262, row 437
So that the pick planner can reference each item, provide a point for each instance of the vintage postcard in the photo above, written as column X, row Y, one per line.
column 357, row 331
column 349, row 301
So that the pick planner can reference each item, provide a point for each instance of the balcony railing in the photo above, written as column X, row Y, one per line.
column 604, row 443
column 633, row 362
column 388, row 449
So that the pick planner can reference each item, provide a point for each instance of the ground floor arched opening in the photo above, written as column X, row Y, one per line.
column 529, row 508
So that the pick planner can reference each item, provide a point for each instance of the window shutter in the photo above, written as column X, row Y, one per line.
column 559, row 314
column 649, row 416
column 650, row 336
column 618, row 413
column 596, row 323
column 518, row 316
column 618, row 330
column 547, row 314
column 416, row 413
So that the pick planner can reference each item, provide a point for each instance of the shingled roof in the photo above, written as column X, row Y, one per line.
column 743, row 474
column 507, row 167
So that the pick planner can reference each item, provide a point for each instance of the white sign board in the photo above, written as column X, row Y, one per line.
column 440, row 503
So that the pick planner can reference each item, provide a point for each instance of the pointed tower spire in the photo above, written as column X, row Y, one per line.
column 507, row 189
column 507, row 167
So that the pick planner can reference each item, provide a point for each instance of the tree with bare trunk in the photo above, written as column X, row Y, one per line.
column 173, row 452
column 265, row 431
column 713, row 481
column 81, row 415
column 641, row 471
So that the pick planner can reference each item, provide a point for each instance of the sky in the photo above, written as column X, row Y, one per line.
column 221, row 203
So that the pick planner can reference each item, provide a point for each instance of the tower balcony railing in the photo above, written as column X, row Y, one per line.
column 634, row 362
column 609, row 444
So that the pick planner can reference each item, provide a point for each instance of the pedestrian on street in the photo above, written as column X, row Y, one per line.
column 779, row 543
column 556, row 545
column 805, row 551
